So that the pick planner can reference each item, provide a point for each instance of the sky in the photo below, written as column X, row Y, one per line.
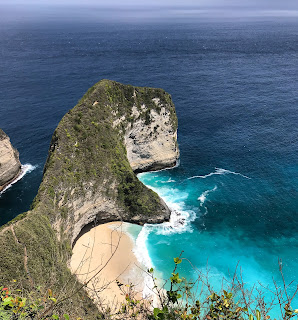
column 269, row 4
column 144, row 10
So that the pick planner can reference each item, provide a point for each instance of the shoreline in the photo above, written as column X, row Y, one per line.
column 101, row 257
column 25, row 168
column 11, row 181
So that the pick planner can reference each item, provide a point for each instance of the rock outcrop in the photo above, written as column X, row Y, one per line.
column 151, row 144
column 113, row 132
column 90, row 177
column 10, row 165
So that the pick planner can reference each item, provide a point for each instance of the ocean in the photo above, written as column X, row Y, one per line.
column 234, row 85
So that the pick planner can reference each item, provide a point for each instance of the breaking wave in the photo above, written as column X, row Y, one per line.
column 203, row 196
column 168, row 181
column 219, row 171
column 26, row 168
column 180, row 222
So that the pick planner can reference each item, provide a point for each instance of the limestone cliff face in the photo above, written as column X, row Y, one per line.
column 151, row 143
column 113, row 132
column 10, row 165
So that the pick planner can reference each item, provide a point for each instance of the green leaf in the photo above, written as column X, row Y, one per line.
column 175, row 278
column 8, row 301
column 66, row 316
column 177, row 260
column 158, row 314
column 165, row 310
column 156, row 311
column 173, row 296
column 258, row 314
column 251, row 317
column 54, row 316
column 53, row 299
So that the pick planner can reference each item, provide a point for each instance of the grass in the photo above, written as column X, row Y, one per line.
column 87, row 160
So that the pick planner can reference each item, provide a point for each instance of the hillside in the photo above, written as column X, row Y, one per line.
column 90, row 177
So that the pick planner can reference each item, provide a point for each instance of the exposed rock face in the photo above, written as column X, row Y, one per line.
column 152, row 145
column 113, row 131
column 10, row 165
column 90, row 176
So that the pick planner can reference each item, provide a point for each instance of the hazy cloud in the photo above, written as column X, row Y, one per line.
column 269, row 4
column 145, row 10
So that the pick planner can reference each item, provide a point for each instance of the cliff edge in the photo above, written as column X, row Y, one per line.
column 10, row 165
column 113, row 132
column 96, row 150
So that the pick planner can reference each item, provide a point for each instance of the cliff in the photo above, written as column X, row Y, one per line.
column 89, row 177
column 10, row 165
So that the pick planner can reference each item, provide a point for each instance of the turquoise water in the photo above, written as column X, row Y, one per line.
column 234, row 85
column 201, row 200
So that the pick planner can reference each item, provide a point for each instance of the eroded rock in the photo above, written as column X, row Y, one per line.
column 10, row 165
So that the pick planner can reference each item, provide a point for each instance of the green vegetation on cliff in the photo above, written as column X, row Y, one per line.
column 87, row 177
column 88, row 155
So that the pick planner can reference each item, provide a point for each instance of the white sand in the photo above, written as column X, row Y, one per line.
column 105, row 254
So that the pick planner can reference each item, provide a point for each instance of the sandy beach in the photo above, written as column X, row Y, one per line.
column 105, row 254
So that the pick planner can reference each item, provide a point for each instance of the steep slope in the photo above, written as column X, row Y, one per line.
column 114, row 131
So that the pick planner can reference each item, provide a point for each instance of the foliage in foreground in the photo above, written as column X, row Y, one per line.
column 175, row 302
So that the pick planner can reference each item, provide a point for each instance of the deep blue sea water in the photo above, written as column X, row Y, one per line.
column 235, row 87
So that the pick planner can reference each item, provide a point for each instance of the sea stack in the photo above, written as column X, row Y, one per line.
column 10, row 165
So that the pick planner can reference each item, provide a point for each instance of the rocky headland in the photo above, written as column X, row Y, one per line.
column 114, row 132
column 10, row 166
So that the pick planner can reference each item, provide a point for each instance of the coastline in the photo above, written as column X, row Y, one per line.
column 25, row 168
column 88, row 177
column 105, row 255
column 11, row 181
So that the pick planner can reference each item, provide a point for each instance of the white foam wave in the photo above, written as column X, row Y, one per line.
column 26, row 168
column 141, row 251
column 180, row 219
column 142, row 255
column 180, row 222
column 168, row 181
column 219, row 171
column 204, row 195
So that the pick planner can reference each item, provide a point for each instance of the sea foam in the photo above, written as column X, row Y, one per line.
column 202, row 198
column 180, row 222
column 219, row 171
column 141, row 252
column 25, row 168
column 168, row 181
